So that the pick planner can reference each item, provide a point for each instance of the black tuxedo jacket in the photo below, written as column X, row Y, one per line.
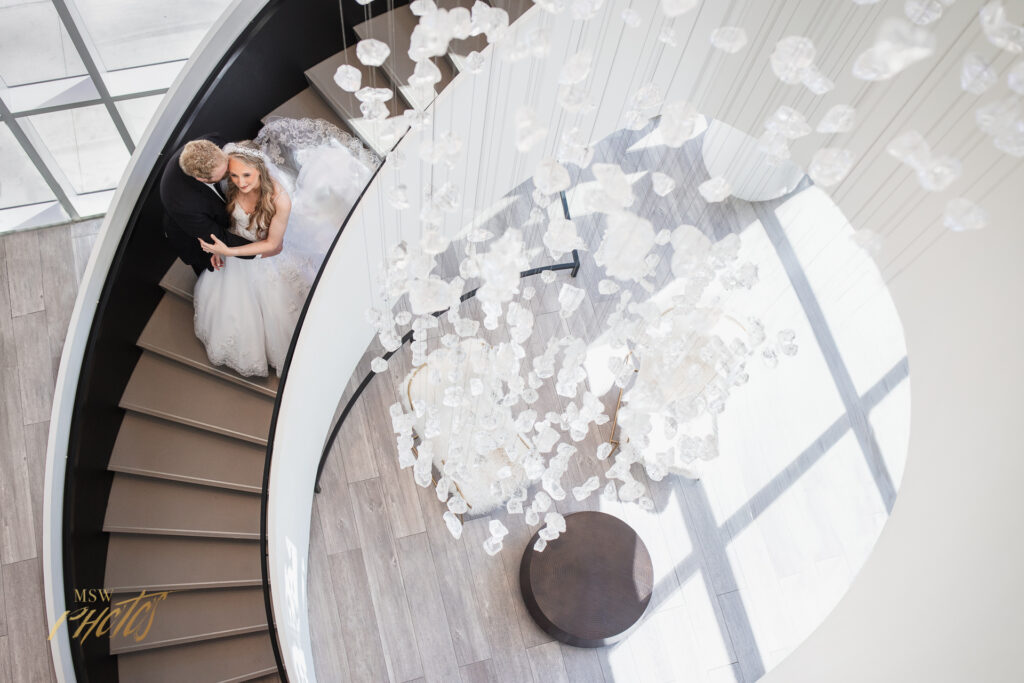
column 193, row 210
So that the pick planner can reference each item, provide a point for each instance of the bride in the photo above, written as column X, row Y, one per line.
column 288, row 192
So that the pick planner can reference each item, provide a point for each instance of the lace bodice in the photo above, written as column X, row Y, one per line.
column 240, row 224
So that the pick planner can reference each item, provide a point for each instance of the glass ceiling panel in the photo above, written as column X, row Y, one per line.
column 92, row 204
column 34, row 45
column 129, row 33
column 20, row 183
column 85, row 145
column 140, row 47
column 64, row 91
column 143, row 78
column 137, row 113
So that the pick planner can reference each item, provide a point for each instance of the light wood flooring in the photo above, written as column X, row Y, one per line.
column 747, row 561
column 40, row 271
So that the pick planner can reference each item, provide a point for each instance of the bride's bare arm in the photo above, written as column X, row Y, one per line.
column 270, row 246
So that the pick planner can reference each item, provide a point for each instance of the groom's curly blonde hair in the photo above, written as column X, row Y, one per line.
column 200, row 158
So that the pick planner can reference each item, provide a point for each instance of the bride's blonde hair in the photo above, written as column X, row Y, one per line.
column 248, row 153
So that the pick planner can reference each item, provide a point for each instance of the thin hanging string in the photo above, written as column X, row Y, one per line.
column 579, row 119
column 882, row 92
column 915, row 200
column 651, row 62
column 394, row 106
column 778, row 91
column 862, row 90
column 630, row 86
column 554, row 132
column 929, row 225
column 876, row 148
column 463, row 220
column 532, row 95
column 886, row 281
column 482, row 161
column 743, row 88
column 373, row 69
column 487, row 117
column 1004, row 178
column 696, row 202
column 696, row 208
column 650, row 72
column 773, row 96
column 855, row 219
column 615, row 55
column 344, row 34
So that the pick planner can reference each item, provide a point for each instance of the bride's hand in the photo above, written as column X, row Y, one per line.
column 217, row 247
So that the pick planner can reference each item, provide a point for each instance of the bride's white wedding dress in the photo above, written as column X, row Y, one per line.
column 246, row 312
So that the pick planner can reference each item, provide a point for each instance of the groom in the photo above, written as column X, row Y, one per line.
column 194, row 203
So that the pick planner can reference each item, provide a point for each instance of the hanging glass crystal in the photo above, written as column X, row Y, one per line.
column 372, row 52
column 897, row 45
column 977, row 76
column 792, row 57
column 830, row 165
column 962, row 215
column 840, row 118
column 348, row 78
column 729, row 39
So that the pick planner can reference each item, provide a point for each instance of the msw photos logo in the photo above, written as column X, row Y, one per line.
column 130, row 618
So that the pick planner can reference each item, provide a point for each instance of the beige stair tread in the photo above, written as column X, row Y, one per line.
column 458, row 49
column 345, row 104
column 142, row 505
column 170, row 332
column 170, row 390
column 180, row 280
column 307, row 105
column 167, row 450
column 241, row 658
column 137, row 562
column 515, row 8
column 395, row 28
column 192, row 616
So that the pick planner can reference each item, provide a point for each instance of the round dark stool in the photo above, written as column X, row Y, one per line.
column 591, row 585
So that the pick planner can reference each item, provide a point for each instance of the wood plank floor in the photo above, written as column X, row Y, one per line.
column 39, row 275
column 748, row 560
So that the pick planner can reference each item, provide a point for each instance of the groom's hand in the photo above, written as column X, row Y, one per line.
column 216, row 261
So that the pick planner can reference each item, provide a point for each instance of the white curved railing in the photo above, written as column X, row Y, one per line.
column 208, row 55
column 334, row 332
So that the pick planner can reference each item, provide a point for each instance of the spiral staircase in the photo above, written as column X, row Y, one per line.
column 183, row 513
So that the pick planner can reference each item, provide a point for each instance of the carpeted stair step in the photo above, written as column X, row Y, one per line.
column 141, row 505
column 157, row 448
